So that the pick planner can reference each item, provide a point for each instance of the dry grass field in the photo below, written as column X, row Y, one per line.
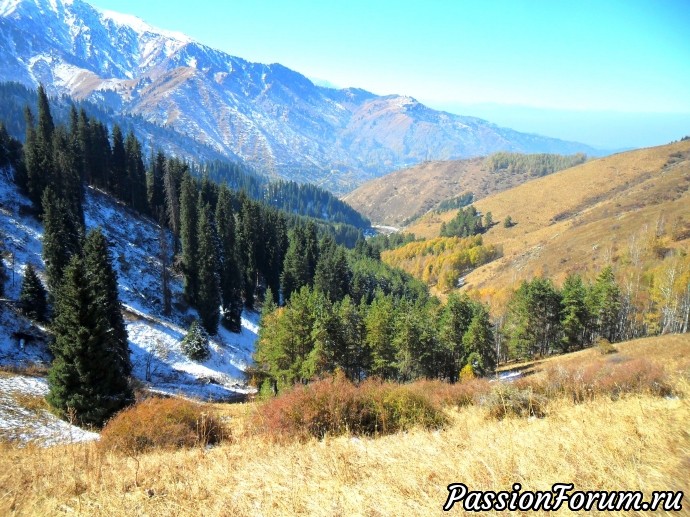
column 583, row 218
column 639, row 441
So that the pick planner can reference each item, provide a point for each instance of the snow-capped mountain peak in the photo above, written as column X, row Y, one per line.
column 272, row 117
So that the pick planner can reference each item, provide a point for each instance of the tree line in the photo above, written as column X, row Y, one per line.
column 537, row 165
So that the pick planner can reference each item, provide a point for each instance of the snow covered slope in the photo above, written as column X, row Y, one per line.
column 154, row 340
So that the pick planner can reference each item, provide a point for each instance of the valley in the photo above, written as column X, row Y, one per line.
column 226, row 289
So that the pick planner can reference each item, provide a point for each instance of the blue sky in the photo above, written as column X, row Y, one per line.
column 608, row 73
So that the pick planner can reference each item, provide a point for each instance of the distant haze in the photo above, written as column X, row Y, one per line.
column 602, row 129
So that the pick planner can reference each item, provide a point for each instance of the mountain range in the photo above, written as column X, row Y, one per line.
column 274, row 118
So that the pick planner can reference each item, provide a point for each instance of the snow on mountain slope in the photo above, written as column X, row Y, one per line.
column 154, row 340
column 273, row 117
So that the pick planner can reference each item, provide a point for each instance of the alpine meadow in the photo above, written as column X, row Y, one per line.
column 235, row 288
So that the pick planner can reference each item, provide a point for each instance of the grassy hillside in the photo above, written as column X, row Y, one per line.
column 625, row 209
column 626, row 441
column 408, row 193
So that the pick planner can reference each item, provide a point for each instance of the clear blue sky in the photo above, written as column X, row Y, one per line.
column 481, row 57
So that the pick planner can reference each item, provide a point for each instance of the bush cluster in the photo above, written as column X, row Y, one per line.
column 158, row 423
column 336, row 406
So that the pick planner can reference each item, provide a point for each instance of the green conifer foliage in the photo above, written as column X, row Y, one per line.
column 195, row 343
column 85, row 377
column 208, row 295
column 32, row 298
column 103, row 281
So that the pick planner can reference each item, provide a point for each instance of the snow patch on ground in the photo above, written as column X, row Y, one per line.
column 22, row 424
column 153, row 338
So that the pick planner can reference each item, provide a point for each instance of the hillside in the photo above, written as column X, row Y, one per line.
column 154, row 339
column 272, row 117
column 630, row 441
column 396, row 198
column 610, row 210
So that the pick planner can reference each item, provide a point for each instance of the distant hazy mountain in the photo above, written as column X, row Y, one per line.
column 274, row 118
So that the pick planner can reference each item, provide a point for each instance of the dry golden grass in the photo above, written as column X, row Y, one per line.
column 580, row 219
column 638, row 442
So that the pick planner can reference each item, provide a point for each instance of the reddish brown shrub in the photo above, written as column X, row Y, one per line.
column 161, row 423
column 612, row 377
column 336, row 406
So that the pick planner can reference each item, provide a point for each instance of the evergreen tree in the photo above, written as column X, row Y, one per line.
column 188, row 236
column 195, row 343
column 479, row 341
column 574, row 313
column 85, row 376
column 117, row 180
column 208, row 294
column 607, row 304
column 103, row 282
column 332, row 276
column 301, row 259
column 32, row 298
column 155, row 183
column 230, row 270
column 379, row 322
column 61, row 238
column 136, row 175
column 533, row 321
column 454, row 321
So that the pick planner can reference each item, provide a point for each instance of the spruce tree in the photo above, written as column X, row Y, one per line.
column 85, row 376
column 117, row 180
column 103, row 281
column 188, row 236
column 230, row 269
column 61, row 237
column 208, row 294
column 195, row 343
column 32, row 298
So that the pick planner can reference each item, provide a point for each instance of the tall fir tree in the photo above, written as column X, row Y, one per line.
column 136, row 175
column 61, row 237
column 32, row 298
column 230, row 269
column 103, row 281
column 208, row 295
column 117, row 179
column 85, row 376
column 188, row 237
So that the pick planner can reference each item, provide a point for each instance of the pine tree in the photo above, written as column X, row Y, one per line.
column 607, row 304
column 575, row 315
column 479, row 342
column 103, row 282
column 454, row 321
column 195, row 343
column 85, row 376
column 208, row 294
column 39, row 150
column 380, row 327
column 32, row 298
